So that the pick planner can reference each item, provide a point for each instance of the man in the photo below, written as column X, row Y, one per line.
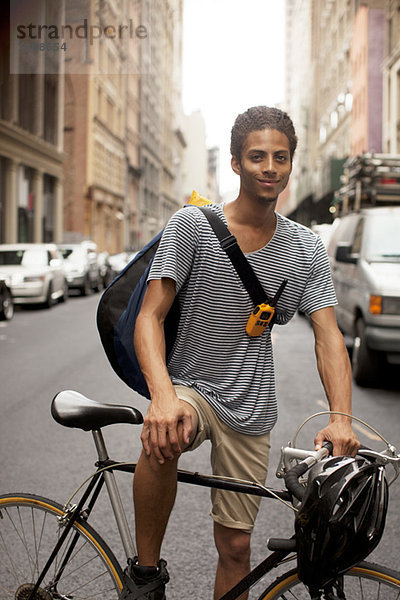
column 219, row 382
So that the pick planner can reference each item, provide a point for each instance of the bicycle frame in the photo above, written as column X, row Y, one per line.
column 105, row 474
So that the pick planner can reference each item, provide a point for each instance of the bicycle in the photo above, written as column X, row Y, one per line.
column 51, row 552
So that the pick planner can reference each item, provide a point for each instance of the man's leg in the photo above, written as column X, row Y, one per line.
column 233, row 547
column 154, row 492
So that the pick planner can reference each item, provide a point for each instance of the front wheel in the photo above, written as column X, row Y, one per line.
column 365, row 362
column 30, row 527
column 365, row 581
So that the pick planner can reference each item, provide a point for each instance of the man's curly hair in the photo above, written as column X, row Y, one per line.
column 256, row 119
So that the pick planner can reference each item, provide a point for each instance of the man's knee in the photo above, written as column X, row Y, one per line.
column 233, row 545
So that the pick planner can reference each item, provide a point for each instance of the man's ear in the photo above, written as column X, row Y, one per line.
column 235, row 164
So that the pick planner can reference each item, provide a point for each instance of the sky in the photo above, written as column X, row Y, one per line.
column 233, row 58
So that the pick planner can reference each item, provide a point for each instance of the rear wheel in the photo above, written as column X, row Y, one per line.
column 30, row 527
column 366, row 581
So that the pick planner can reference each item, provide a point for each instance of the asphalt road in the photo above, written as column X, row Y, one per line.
column 45, row 351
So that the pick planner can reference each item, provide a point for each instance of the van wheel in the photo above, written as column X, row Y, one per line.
column 365, row 362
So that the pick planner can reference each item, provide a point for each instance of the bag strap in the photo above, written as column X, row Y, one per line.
column 243, row 268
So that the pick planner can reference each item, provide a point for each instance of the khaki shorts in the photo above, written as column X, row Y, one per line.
column 232, row 455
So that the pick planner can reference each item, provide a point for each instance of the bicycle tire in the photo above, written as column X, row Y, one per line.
column 366, row 581
column 29, row 530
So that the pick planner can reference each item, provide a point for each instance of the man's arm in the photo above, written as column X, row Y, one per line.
column 159, row 433
column 335, row 373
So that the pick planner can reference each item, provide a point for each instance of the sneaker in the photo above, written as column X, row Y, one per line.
column 144, row 583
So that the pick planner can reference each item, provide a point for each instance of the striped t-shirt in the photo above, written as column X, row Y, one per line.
column 213, row 353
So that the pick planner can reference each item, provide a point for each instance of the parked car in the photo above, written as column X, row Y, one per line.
column 107, row 273
column 119, row 261
column 81, row 267
column 36, row 273
column 365, row 260
column 6, row 299
column 325, row 230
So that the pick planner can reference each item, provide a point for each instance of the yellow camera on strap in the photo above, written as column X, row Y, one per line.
column 263, row 314
column 259, row 319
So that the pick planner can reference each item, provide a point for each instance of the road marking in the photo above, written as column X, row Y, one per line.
column 366, row 432
column 357, row 426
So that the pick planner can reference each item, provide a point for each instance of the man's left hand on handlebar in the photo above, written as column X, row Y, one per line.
column 342, row 436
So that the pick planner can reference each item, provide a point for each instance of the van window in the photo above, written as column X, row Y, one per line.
column 356, row 246
column 344, row 232
column 383, row 239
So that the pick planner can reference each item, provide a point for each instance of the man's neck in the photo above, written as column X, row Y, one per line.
column 252, row 223
column 255, row 213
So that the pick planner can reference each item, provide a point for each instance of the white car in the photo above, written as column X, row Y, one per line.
column 36, row 273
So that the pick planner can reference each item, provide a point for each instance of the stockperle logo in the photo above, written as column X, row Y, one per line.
column 79, row 36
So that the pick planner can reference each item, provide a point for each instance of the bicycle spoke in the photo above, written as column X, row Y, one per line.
column 89, row 582
column 70, row 573
column 17, row 571
column 28, row 534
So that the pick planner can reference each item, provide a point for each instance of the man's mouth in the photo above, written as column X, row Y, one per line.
column 268, row 182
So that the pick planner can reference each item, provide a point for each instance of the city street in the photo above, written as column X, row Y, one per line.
column 45, row 351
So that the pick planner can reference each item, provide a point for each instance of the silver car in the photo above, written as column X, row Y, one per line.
column 365, row 260
column 82, row 268
column 35, row 272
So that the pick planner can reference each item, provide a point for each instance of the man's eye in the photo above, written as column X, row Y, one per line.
column 256, row 157
column 282, row 157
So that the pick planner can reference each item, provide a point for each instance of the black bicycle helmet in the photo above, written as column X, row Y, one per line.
column 341, row 518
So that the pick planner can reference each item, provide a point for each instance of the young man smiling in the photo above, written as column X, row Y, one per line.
column 218, row 383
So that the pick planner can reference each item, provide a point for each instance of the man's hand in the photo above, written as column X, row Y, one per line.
column 167, row 426
column 343, row 438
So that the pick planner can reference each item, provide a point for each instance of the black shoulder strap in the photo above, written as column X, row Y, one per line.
column 229, row 244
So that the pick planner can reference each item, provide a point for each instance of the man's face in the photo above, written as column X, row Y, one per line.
column 265, row 164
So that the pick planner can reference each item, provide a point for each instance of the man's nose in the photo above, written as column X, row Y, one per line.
column 269, row 165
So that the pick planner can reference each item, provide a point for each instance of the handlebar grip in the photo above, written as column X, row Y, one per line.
column 282, row 544
column 292, row 480
column 328, row 446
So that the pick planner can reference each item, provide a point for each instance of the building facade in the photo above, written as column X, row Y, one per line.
column 341, row 90
column 366, row 58
column 95, row 135
column 92, row 138
column 31, row 133
column 391, row 80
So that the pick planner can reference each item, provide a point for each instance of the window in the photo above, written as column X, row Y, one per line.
column 26, row 104
column 50, row 108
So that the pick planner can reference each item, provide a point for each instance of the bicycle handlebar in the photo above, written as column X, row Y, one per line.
column 293, row 475
column 309, row 458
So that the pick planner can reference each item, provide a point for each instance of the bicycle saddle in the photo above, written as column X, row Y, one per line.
column 73, row 409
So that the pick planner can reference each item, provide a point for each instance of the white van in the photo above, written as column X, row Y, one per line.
column 365, row 260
